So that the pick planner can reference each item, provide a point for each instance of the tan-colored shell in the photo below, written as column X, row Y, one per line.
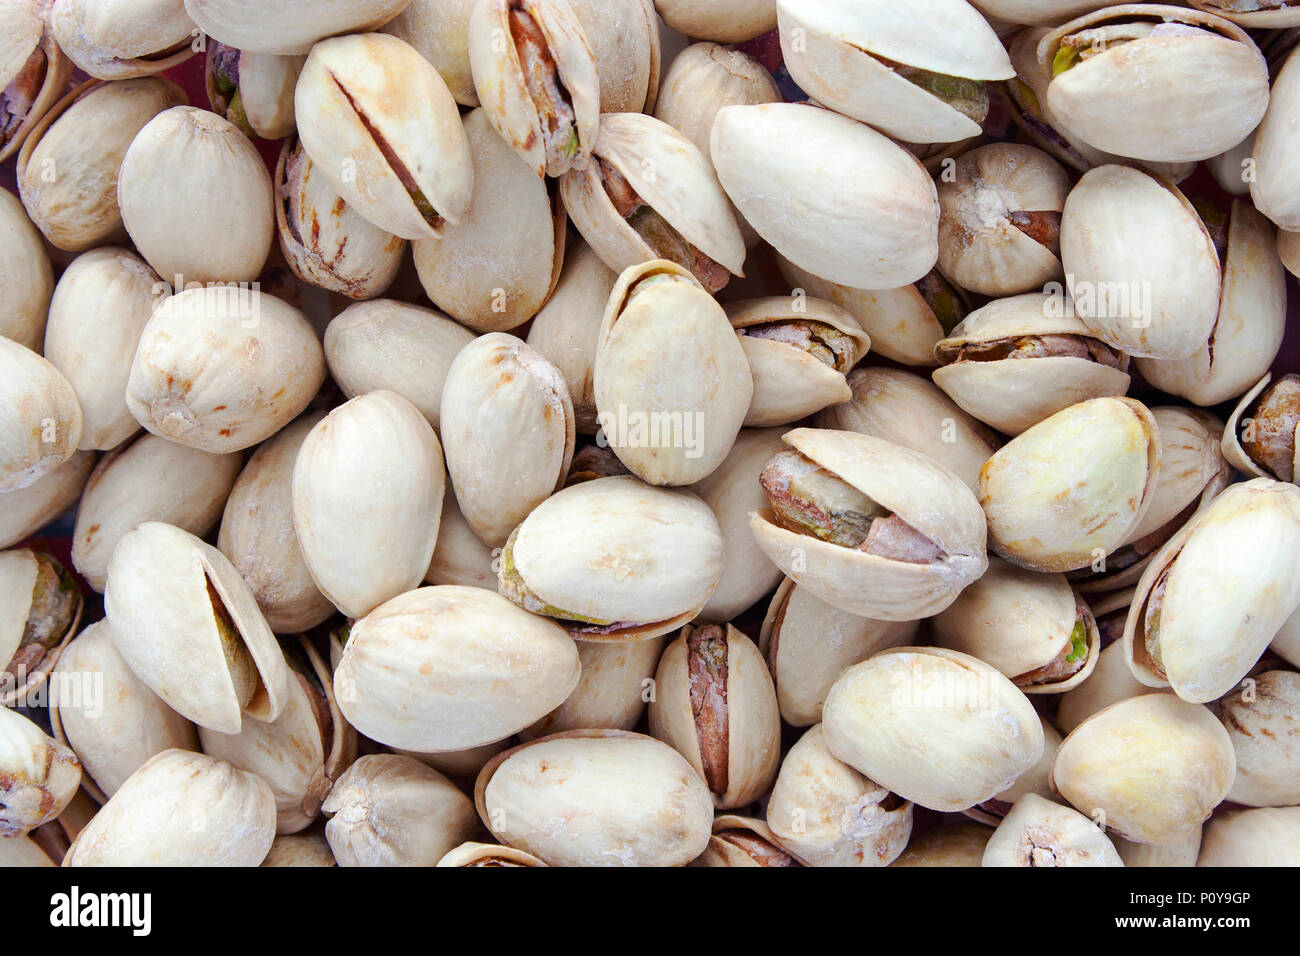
column 725, row 850
column 725, row 21
column 1277, row 151
column 266, row 91
column 23, row 851
column 596, row 798
column 929, row 497
column 624, row 38
column 488, row 854
column 460, row 557
column 703, row 79
column 25, row 38
column 38, row 775
column 1038, row 832
column 283, row 26
column 40, row 418
column 1071, row 489
column 25, row 272
column 834, row 51
column 1263, row 17
column 1154, row 765
column 365, row 102
column 1185, row 96
column 869, row 211
column 1231, row 587
column 67, row 168
column 615, row 682
column 1263, row 723
column 164, row 588
column 619, row 550
column 18, row 579
column 1111, row 681
column 462, row 766
column 1036, row 780
column 1181, row 853
column 211, row 167
column 301, row 849
column 117, row 728
column 748, row 701
column 122, row 39
column 951, row 845
column 826, row 813
column 26, row 511
column 1265, row 837
column 1230, row 169
column 181, row 809
column 363, row 548
column 1010, row 394
column 808, row 643
column 439, row 30
column 1240, row 421
column 908, row 410
column 426, row 670
column 1037, row 11
column 672, row 382
column 937, row 727
column 499, row 78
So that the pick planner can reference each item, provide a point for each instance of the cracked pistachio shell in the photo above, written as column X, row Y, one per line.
column 1014, row 393
column 567, row 329
column 937, row 727
column 25, row 274
column 264, row 85
column 1243, row 422
column 808, row 643
column 672, row 383
column 382, row 128
column 324, row 240
column 1251, row 320
column 1264, row 837
column 24, row 512
column 300, row 849
column 908, row 410
column 869, row 210
column 488, row 854
column 1071, row 489
column 826, row 813
column 505, row 61
column 116, row 729
column 149, row 479
column 612, row 692
column 792, row 380
column 426, row 671
column 67, row 169
column 1224, row 586
column 1110, row 682
column 1019, row 622
column 1156, row 766
column 222, row 369
column 624, row 38
column 639, row 561
column 1036, row 780
column 40, row 609
column 196, row 198
column 439, row 30
column 367, row 493
column 1190, row 90
column 389, row 345
column 715, row 705
column 743, row 841
column 1182, row 853
column 188, row 627
column 40, row 418
column 101, row 306
column 725, row 21
column 1038, row 832
column 508, row 432
column 703, row 79
column 1142, row 268
column 32, row 67
column 732, row 492
column 122, row 39
column 953, row 844
column 834, row 50
column 493, row 270
column 288, row 27
column 931, row 499
column 1263, row 723
column 597, row 798
column 460, row 556
column 1037, row 11
column 181, row 809
column 257, row 535
column 38, row 775
column 1277, row 151
column 23, row 851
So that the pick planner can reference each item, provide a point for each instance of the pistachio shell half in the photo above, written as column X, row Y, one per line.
column 1038, row 832
column 26, row 272
column 38, row 775
column 121, row 39
column 42, row 607
column 1263, row 723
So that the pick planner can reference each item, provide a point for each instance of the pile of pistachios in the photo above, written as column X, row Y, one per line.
column 649, row 433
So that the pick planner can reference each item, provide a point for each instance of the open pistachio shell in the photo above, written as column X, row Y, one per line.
column 624, row 38
column 188, row 627
column 439, row 29
column 1277, row 151
column 121, row 39
column 743, row 841
column 954, row 844
column 1260, row 438
column 1038, row 832
column 38, row 775
column 1263, row 723
column 488, row 854
column 288, row 27
column 724, row 21
column 40, row 417
column 255, row 91
column 40, row 608
column 26, row 511
column 33, row 70
column 612, row 691
column 1254, row 14
column 26, row 272
column 1264, row 837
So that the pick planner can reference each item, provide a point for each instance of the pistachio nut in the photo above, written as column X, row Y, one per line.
column 615, row 684
column 1072, row 489
column 724, row 21
column 954, row 844
column 1264, row 837
column 367, row 493
column 426, row 671
column 1263, row 723
column 716, row 706
column 1242, row 549
column 624, row 39
column 1036, row 780
column 743, row 841
column 33, row 70
column 1154, row 766
column 24, row 512
column 909, row 717
column 703, row 79
column 597, row 798
column 1190, row 85
column 110, row 719
column 300, row 849
column 672, row 382
column 825, row 813
column 917, row 78
column 1110, row 682
column 809, row 643
column 650, row 193
column 25, row 273
column 439, row 30
column 869, row 211
column 493, row 270
column 255, row 91
column 488, row 854
column 189, row 628
column 40, row 418
column 1182, row 853
column 614, row 559
column 872, row 528
column 536, row 77
column 1260, row 439
column 286, row 27
column 40, row 608
column 460, row 556
column 181, row 809
column 382, row 128
column 122, row 39
column 38, row 775
column 1038, row 832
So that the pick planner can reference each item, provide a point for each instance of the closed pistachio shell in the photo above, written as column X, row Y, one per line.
column 300, row 849
column 439, row 29
column 1037, row 11
column 460, row 556
column 462, row 766
column 38, row 775
column 1230, row 169
column 1263, row 723
column 724, row 21
column 121, row 39
column 955, row 844
column 488, row 854
column 26, row 272
column 1037, row 780
column 26, row 511
column 1265, row 837
column 1277, row 151
column 1038, row 832
column 40, row 418
column 1182, row 853
column 23, row 851
column 255, row 91
column 286, row 27
column 32, row 67
column 703, row 79
column 615, row 684
column 624, row 39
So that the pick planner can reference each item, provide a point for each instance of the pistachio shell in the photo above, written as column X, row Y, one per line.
column 462, row 766
column 25, row 273
column 1268, row 837
column 1110, row 682
column 743, row 841
column 703, row 79
column 38, row 775
column 488, row 854
column 725, row 21
column 460, row 557
column 1037, row 11
column 121, row 39
column 955, row 844
column 1277, row 151
column 439, row 29
column 1263, row 723
column 23, row 851
column 264, row 84
column 1243, row 422
column 42, row 609
column 1038, row 832
column 1182, row 853
column 31, row 65
column 300, row 849
column 1253, row 14
column 1036, row 780
column 26, row 511
column 612, row 689
column 624, row 38
column 40, row 418
column 285, row 26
